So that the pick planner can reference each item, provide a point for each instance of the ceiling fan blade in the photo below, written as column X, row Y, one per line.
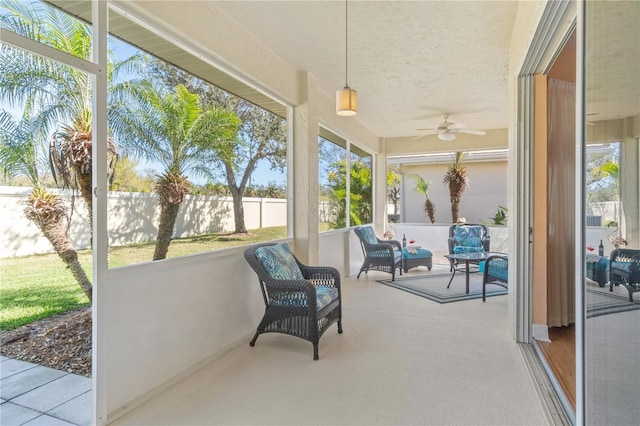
column 432, row 129
column 471, row 132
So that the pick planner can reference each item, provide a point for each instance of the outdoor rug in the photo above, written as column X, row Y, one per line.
column 433, row 286
column 603, row 302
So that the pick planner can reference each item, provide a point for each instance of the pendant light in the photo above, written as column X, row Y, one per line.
column 346, row 98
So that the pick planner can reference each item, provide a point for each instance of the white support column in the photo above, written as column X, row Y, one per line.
column 305, row 171
column 629, row 197
column 100, row 238
column 380, row 193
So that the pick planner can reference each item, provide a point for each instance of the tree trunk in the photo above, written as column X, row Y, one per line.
column 86, row 189
column 454, row 211
column 237, row 192
column 455, row 203
column 55, row 233
column 168, row 215
column 431, row 210
column 238, row 212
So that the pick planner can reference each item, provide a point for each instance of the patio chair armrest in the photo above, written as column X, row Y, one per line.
column 490, row 275
column 293, row 286
column 395, row 243
column 486, row 242
column 321, row 275
column 304, row 286
column 380, row 246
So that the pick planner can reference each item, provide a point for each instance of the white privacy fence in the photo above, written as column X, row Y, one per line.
column 132, row 218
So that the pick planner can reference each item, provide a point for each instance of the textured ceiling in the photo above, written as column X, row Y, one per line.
column 613, row 73
column 410, row 61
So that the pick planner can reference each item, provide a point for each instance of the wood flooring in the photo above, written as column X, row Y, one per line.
column 560, row 353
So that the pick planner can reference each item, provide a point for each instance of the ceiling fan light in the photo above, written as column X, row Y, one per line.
column 446, row 136
column 346, row 101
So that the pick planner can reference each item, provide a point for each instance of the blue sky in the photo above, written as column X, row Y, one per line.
column 263, row 174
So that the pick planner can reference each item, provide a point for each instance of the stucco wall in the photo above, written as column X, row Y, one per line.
column 487, row 190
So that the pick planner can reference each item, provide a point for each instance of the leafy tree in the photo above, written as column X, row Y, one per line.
column 606, row 175
column 127, row 179
column 422, row 187
column 499, row 217
column 457, row 179
column 22, row 152
column 173, row 129
column 393, row 190
column 360, row 193
column 261, row 136
column 209, row 188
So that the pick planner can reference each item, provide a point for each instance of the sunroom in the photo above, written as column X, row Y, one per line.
column 160, row 324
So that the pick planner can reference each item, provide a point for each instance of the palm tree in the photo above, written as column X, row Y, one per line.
column 457, row 179
column 59, row 96
column 22, row 153
column 393, row 191
column 262, row 136
column 173, row 130
column 422, row 187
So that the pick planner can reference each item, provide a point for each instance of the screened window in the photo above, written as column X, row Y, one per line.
column 216, row 162
column 332, row 154
column 361, row 187
column 394, row 181
column 193, row 167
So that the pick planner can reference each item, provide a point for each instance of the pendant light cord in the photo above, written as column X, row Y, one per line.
column 346, row 43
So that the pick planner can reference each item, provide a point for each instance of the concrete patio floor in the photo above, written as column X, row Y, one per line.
column 401, row 360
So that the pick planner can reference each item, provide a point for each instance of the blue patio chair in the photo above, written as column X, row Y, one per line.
column 299, row 300
column 379, row 255
column 624, row 268
column 496, row 271
column 467, row 238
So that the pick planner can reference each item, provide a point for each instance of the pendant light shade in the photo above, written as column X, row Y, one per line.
column 346, row 98
column 346, row 101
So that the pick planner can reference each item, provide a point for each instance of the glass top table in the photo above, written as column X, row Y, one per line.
column 467, row 259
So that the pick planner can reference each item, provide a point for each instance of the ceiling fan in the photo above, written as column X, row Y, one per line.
column 447, row 130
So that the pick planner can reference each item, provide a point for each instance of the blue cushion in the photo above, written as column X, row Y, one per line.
column 468, row 236
column 602, row 265
column 465, row 249
column 367, row 234
column 499, row 268
column 419, row 254
column 324, row 296
column 627, row 267
column 278, row 262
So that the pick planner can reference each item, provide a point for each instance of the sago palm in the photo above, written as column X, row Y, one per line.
column 422, row 187
column 172, row 129
column 60, row 97
column 457, row 179
column 22, row 153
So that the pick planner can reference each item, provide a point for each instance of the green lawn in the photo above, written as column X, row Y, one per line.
column 36, row 287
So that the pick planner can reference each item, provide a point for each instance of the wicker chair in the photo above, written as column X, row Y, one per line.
column 299, row 300
column 379, row 255
column 496, row 271
column 467, row 238
column 624, row 268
